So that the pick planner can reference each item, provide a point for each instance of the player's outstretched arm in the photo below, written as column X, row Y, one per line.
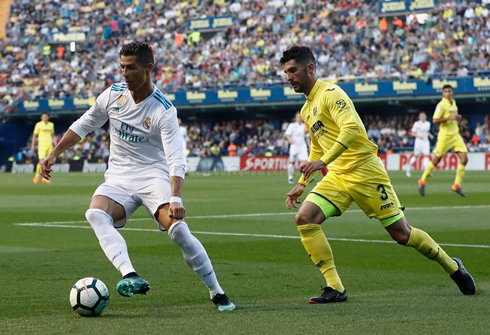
column 69, row 139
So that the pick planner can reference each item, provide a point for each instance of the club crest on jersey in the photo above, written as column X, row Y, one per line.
column 121, row 100
column 315, row 111
column 147, row 123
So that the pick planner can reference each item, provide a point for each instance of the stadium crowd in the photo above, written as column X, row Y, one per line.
column 266, row 138
column 349, row 41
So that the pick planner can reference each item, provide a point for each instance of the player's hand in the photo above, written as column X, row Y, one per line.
column 176, row 211
column 293, row 195
column 46, row 165
column 431, row 136
column 310, row 167
column 33, row 148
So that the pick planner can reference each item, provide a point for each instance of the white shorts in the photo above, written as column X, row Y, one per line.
column 421, row 147
column 131, row 193
column 298, row 153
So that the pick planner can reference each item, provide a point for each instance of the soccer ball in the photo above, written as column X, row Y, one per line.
column 89, row 296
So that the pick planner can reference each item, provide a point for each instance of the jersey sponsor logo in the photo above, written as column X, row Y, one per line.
column 317, row 129
column 125, row 132
column 121, row 100
column 330, row 89
column 388, row 205
column 147, row 123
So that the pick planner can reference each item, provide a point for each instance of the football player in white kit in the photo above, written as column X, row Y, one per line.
column 421, row 132
column 298, row 151
column 146, row 168
column 183, row 135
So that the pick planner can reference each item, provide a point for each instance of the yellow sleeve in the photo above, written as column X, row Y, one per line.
column 316, row 152
column 439, row 112
column 36, row 129
column 340, row 108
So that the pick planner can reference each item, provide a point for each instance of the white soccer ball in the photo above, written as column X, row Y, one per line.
column 89, row 296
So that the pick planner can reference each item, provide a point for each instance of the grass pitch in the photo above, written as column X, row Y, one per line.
column 259, row 260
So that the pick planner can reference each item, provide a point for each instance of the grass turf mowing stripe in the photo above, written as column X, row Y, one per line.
column 227, row 216
column 254, row 235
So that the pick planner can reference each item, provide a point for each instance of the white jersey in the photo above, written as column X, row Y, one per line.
column 145, row 138
column 421, row 129
column 183, row 135
column 297, row 133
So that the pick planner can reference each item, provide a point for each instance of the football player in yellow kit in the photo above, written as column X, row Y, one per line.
column 447, row 116
column 44, row 132
column 356, row 174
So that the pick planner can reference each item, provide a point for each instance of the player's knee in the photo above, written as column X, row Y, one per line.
column 464, row 160
column 301, row 219
column 401, row 238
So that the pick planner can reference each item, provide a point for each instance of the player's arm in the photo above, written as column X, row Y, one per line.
column 174, row 151
column 315, row 153
column 288, row 134
column 438, row 116
column 339, row 106
column 54, row 137
column 34, row 138
column 92, row 119
column 414, row 131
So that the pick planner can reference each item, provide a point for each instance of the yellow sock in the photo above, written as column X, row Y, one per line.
column 427, row 171
column 459, row 174
column 38, row 170
column 318, row 248
column 423, row 243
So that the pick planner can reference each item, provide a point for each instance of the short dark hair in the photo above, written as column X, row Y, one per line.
column 142, row 51
column 44, row 113
column 299, row 54
column 447, row 86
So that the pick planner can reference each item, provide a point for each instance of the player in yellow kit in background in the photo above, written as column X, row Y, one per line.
column 447, row 116
column 44, row 132
column 356, row 174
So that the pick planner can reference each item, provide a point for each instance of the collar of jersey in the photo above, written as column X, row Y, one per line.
column 313, row 90
column 448, row 101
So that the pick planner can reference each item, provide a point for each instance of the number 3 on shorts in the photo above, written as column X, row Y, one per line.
column 381, row 189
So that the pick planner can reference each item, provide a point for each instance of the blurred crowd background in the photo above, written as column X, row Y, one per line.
column 266, row 138
column 346, row 36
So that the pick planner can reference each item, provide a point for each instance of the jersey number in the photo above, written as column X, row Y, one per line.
column 382, row 190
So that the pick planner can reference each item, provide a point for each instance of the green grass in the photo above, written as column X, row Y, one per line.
column 392, row 289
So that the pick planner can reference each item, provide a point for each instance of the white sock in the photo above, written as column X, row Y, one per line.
column 425, row 162
column 110, row 240
column 410, row 163
column 290, row 171
column 195, row 255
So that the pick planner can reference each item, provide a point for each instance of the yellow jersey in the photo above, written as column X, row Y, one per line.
column 444, row 109
column 332, row 118
column 44, row 132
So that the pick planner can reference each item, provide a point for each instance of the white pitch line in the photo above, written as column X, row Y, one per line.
column 255, row 235
column 230, row 216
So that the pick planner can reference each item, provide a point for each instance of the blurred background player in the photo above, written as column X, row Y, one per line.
column 184, row 137
column 44, row 133
column 339, row 141
column 146, row 168
column 421, row 132
column 446, row 115
column 298, row 150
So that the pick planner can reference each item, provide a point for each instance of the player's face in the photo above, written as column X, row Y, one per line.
column 45, row 118
column 448, row 93
column 134, row 73
column 298, row 75
column 298, row 118
column 422, row 117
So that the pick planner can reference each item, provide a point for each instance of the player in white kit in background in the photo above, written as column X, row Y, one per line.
column 298, row 151
column 146, row 168
column 421, row 132
column 184, row 137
